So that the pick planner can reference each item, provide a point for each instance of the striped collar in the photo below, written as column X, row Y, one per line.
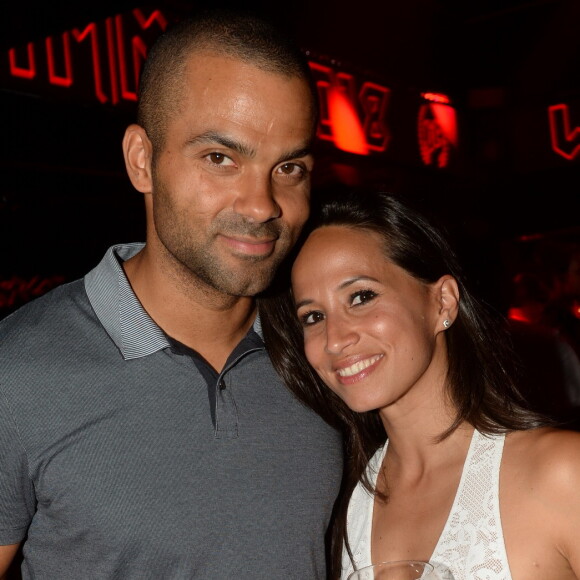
column 119, row 310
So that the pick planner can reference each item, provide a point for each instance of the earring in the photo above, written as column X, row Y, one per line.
column 446, row 323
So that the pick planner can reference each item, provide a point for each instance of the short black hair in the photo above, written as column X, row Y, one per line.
column 241, row 35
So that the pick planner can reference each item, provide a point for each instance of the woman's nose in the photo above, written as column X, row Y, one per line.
column 339, row 335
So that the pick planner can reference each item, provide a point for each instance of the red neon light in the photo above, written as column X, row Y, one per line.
column 437, row 130
column 97, row 71
column 354, row 119
column 565, row 141
column 112, row 61
column 125, row 92
column 55, row 79
column 374, row 99
column 437, row 98
column 118, row 66
column 575, row 309
column 323, row 85
column 519, row 315
column 146, row 23
column 18, row 71
column 139, row 55
column 446, row 118
column 346, row 128
column 434, row 145
column 138, row 49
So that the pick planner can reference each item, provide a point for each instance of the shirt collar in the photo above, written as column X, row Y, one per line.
column 119, row 310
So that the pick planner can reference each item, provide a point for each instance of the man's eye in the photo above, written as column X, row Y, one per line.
column 219, row 159
column 362, row 297
column 311, row 318
column 291, row 169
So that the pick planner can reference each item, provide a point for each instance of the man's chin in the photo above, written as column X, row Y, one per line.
column 246, row 283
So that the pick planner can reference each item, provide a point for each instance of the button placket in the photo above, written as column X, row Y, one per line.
column 226, row 411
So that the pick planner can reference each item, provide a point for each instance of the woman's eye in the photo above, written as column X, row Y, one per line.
column 219, row 159
column 362, row 297
column 311, row 318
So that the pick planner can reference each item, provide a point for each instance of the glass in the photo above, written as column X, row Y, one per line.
column 402, row 570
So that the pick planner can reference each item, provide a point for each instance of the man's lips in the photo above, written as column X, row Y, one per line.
column 250, row 246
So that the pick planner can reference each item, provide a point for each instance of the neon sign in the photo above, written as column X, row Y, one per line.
column 565, row 139
column 437, row 130
column 102, row 62
column 355, row 120
column 115, row 48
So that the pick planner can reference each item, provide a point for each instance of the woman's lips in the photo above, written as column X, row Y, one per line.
column 359, row 369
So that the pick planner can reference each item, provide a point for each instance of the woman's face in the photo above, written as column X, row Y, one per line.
column 371, row 330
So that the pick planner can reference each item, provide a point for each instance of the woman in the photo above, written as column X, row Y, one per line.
column 403, row 348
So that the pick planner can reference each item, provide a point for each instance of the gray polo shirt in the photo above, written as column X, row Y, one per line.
column 123, row 456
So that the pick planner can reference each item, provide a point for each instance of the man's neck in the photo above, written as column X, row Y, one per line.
column 208, row 321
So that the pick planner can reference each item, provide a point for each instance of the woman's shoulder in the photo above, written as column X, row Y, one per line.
column 539, row 482
column 543, row 444
column 547, row 459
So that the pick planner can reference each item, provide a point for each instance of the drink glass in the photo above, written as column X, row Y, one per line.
column 400, row 570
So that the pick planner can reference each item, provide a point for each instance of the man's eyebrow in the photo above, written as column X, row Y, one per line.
column 297, row 153
column 213, row 137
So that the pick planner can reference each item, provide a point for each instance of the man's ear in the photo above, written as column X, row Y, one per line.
column 447, row 296
column 138, row 151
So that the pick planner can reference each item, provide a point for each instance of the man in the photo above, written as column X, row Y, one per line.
column 143, row 431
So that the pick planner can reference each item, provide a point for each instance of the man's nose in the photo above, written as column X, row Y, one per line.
column 255, row 199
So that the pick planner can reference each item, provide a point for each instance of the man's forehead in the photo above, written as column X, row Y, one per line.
column 237, row 79
column 218, row 59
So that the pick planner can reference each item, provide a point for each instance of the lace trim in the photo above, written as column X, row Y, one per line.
column 471, row 543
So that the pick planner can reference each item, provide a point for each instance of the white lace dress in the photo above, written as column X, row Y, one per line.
column 472, row 543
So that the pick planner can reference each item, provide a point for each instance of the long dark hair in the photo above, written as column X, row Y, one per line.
column 479, row 378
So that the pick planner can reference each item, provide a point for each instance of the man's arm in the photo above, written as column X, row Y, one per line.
column 7, row 554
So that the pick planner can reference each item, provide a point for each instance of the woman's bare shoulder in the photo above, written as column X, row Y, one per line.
column 543, row 444
column 547, row 458
column 541, row 477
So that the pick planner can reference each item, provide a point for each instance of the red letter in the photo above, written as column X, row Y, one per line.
column 79, row 37
column 146, row 23
column 112, row 61
column 138, row 49
column 374, row 99
column 17, row 71
column 323, row 76
column 565, row 142
column 434, row 147
column 55, row 79
column 125, row 92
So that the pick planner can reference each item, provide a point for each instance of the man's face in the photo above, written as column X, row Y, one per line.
column 231, row 184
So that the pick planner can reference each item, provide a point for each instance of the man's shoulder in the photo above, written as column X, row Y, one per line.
column 50, row 313
column 68, row 304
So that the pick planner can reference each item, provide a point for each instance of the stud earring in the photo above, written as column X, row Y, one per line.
column 446, row 323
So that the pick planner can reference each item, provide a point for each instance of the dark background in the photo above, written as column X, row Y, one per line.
column 64, row 196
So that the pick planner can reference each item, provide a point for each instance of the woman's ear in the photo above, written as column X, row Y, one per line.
column 137, row 150
column 447, row 295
